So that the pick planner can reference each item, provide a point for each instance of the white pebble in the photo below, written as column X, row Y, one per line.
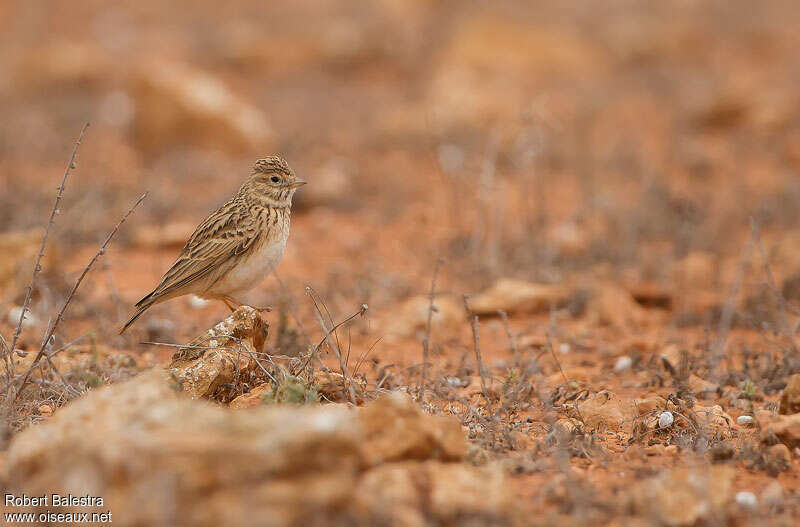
column 744, row 420
column 13, row 317
column 623, row 363
column 746, row 499
column 665, row 420
column 564, row 348
column 197, row 302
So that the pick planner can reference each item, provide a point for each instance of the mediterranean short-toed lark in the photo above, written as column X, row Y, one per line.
column 238, row 245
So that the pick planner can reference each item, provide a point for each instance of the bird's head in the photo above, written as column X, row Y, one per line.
column 273, row 179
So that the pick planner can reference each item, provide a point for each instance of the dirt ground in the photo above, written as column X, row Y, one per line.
column 614, row 185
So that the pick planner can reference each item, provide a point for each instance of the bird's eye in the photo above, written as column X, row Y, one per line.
column 274, row 179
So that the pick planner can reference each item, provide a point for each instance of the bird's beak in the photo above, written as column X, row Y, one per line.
column 299, row 182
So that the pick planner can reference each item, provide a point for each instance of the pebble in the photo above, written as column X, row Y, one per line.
column 564, row 348
column 772, row 496
column 746, row 499
column 623, row 363
column 745, row 420
column 665, row 420
column 30, row 319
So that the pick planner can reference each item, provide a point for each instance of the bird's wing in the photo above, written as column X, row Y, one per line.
column 227, row 233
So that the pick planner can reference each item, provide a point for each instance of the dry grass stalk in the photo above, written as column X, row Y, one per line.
column 37, row 267
column 426, row 343
column 52, row 327
column 335, row 346
column 787, row 327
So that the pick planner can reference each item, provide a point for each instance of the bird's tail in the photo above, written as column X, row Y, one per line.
column 143, row 305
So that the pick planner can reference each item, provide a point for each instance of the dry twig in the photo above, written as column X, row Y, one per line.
column 348, row 379
column 52, row 327
column 37, row 267
column 426, row 343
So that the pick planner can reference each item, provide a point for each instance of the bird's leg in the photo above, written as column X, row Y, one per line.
column 238, row 304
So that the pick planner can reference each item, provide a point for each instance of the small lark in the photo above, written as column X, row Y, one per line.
column 238, row 245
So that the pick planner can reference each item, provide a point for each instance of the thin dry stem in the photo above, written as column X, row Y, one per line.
column 52, row 327
column 37, row 267
column 426, row 343
column 348, row 379
column 477, row 347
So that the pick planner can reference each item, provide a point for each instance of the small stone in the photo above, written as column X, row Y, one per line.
column 772, row 496
column 665, row 420
column 790, row 397
column 30, row 319
column 654, row 450
column 564, row 348
column 45, row 410
column 745, row 420
column 746, row 500
column 623, row 363
column 515, row 296
column 780, row 452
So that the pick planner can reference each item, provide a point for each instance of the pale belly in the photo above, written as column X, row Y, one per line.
column 250, row 272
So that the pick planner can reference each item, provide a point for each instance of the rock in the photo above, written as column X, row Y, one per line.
column 411, row 317
column 684, row 497
column 780, row 451
column 746, row 500
column 613, row 306
column 394, row 429
column 665, row 419
column 29, row 321
column 652, row 296
column 64, row 63
column 515, row 296
column 176, row 104
column 218, row 362
column 483, row 69
column 649, row 404
column 772, row 495
column 671, row 357
column 701, row 386
column 331, row 386
column 605, row 410
column 790, row 397
column 142, row 441
column 251, row 399
column 745, row 420
column 785, row 429
column 714, row 420
column 623, row 363
column 401, row 493
column 778, row 458
column 567, row 427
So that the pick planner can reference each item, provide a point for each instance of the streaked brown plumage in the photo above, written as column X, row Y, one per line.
column 237, row 246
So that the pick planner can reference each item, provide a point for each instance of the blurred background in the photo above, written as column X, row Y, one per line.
column 619, row 176
column 547, row 141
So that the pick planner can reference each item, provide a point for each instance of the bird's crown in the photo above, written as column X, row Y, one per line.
column 272, row 164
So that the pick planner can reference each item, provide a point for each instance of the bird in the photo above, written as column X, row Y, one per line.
column 237, row 246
